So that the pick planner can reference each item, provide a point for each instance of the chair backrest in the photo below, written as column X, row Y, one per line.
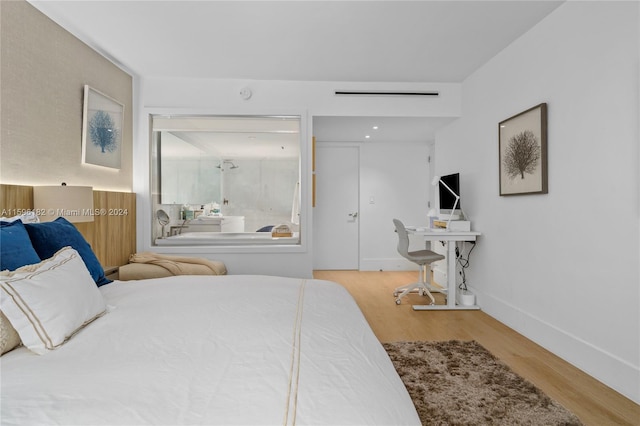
column 403, row 238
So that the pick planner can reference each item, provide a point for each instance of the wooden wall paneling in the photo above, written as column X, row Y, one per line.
column 99, row 241
column 112, row 234
column 86, row 229
column 114, row 227
column 14, row 199
column 114, row 220
column 126, row 227
column 129, row 229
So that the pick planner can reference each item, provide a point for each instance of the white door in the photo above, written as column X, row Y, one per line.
column 335, row 216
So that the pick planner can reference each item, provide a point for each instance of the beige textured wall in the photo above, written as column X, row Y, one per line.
column 43, row 70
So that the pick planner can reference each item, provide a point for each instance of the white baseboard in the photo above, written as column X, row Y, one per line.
column 614, row 372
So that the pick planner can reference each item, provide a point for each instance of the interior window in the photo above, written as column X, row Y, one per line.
column 225, row 180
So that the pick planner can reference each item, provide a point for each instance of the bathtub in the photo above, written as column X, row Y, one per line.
column 225, row 239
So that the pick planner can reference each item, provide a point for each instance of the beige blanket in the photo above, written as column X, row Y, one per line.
column 178, row 265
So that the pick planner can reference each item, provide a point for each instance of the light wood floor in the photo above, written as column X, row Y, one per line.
column 594, row 403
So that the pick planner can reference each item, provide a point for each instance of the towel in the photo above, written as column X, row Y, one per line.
column 178, row 265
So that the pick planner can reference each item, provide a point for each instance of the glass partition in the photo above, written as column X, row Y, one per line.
column 225, row 180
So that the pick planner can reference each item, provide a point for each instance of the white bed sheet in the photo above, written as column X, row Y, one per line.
column 235, row 349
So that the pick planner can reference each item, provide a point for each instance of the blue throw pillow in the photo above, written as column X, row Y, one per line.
column 49, row 237
column 16, row 249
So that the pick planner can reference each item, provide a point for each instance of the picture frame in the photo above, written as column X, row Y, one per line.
column 522, row 147
column 102, row 122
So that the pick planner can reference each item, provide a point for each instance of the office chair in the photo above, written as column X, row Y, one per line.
column 420, row 257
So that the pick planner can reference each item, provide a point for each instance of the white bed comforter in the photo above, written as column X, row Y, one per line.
column 251, row 350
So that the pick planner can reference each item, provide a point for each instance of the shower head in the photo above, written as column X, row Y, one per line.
column 222, row 168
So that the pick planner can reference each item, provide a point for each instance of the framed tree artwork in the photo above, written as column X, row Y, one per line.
column 102, row 121
column 523, row 152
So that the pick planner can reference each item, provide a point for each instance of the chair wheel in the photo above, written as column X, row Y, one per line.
column 398, row 301
column 395, row 294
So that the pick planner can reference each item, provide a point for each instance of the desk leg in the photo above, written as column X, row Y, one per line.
column 451, row 286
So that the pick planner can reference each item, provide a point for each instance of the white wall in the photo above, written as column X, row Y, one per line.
column 209, row 96
column 396, row 175
column 43, row 72
column 561, row 268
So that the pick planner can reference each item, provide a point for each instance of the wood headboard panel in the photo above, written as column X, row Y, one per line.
column 112, row 236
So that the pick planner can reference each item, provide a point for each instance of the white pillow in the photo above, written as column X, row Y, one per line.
column 26, row 217
column 50, row 301
column 9, row 338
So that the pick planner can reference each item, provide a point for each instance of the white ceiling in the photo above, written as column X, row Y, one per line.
column 376, row 41
column 388, row 129
column 229, row 137
column 401, row 41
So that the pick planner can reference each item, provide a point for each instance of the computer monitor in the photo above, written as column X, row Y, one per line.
column 447, row 199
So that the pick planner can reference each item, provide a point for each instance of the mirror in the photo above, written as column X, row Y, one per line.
column 163, row 219
column 249, row 166
column 200, row 157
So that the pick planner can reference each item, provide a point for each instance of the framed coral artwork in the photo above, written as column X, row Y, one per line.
column 523, row 152
column 102, row 121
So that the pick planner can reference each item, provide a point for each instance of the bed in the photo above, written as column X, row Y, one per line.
column 231, row 349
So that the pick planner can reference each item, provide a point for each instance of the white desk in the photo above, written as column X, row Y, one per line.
column 448, row 236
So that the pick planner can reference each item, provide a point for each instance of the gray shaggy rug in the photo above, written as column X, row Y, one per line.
column 461, row 383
